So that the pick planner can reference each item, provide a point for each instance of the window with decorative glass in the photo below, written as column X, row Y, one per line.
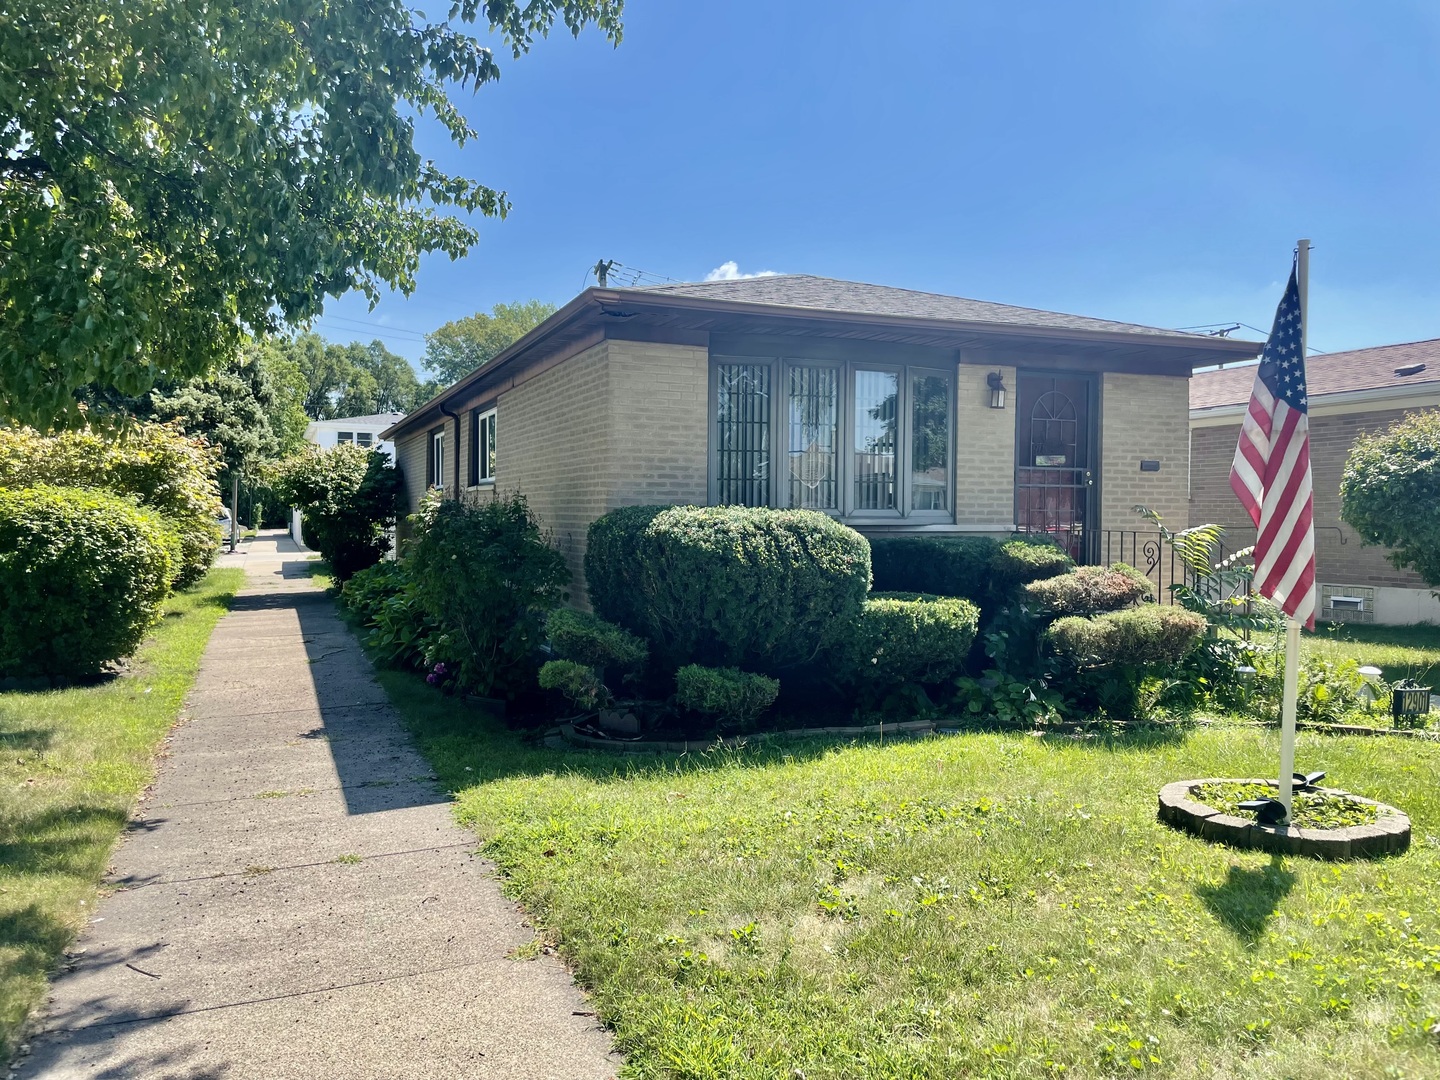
column 854, row 439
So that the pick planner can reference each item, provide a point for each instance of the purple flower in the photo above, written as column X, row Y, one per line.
column 431, row 679
column 440, row 668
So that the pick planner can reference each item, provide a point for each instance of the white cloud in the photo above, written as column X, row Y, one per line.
column 730, row 271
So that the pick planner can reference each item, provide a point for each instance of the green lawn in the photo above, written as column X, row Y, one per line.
column 73, row 763
column 1401, row 652
column 988, row 905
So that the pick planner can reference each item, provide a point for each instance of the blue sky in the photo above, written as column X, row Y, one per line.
column 1145, row 160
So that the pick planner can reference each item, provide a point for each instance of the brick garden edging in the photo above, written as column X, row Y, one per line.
column 1388, row 834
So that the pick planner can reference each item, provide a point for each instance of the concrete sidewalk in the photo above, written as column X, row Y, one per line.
column 295, row 900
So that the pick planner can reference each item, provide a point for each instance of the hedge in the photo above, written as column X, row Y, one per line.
column 979, row 568
column 1088, row 590
column 1149, row 634
column 910, row 638
column 82, row 576
column 156, row 464
column 724, row 586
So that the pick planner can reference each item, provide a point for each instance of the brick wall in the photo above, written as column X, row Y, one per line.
column 659, row 421
column 1331, row 436
column 553, row 445
column 1143, row 417
column 411, row 456
column 984, row 451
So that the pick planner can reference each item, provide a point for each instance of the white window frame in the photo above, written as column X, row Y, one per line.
column 906, row 371
column 484, row 428
column 344, row 437
column 365, row 439
column 436, row 478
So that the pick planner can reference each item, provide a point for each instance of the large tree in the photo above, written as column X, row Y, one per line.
column 458, row 348
column 1390, row 492
column 178, row 174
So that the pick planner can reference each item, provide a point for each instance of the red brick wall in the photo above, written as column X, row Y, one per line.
column 1348, row 563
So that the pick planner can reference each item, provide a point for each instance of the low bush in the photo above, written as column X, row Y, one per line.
column 580, row 683
column 590, row 640
column 153, row 463
column 728, row 586
column 940, row 565
column 1018, row 562
column 910, row 638
column 1150, row 634
column 487, row 577
column 366, row 592
column 82, row 578
column 348, row 497
column 1090, row 590
column 735, row 699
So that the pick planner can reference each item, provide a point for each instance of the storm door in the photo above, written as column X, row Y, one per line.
column 1054, row 477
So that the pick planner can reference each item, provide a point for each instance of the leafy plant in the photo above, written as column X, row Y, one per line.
column 734, row 698
column 1309, row 809
column 82, row 578
column 348, row 497
column 589, row 639
column 485, row 574
column 1005, row 701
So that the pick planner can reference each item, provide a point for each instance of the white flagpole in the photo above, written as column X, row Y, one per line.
column 1292, row 628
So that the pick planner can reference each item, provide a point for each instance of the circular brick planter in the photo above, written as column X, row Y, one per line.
column 1388, row 834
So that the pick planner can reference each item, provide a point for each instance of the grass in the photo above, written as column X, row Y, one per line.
column 73, row 763
column 1400, row 652
column 983, row 904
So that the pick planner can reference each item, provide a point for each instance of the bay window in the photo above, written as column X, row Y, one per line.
column 858, row 440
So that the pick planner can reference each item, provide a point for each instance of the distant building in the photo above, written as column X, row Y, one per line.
column 360, row 430
column 1349, row 392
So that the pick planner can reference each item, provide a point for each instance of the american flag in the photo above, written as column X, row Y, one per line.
column 1271, row 473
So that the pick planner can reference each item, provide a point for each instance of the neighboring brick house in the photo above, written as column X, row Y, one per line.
column 1349, row 392
column 894, row 410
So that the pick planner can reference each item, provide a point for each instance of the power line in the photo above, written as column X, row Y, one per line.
column 366, row 324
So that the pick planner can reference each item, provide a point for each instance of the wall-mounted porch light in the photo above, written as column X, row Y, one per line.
column 997, row 390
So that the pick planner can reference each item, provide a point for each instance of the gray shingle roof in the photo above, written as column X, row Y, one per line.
column 831, row 295
column 1329, row 373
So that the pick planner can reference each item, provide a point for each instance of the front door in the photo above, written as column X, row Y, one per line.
column 1054, row 477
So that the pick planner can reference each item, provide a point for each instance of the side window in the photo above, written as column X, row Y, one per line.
column 482, row 446
column 364, row 438
column 344, row 436
column 437, row 458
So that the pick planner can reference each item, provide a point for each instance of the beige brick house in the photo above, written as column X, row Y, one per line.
column 1349, row 392
column 893, row 410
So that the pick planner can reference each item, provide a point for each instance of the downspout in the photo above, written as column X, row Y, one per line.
column 445, row 410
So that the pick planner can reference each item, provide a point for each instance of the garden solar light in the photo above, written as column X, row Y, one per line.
column 1307, row 781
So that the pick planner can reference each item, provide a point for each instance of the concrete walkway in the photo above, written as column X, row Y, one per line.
column 295, row 900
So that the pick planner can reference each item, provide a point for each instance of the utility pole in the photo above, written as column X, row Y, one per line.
column 602, row 271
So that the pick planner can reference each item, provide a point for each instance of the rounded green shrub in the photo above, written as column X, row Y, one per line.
column 82, row 576
column 910, row 638
column 728, row 586
column 1135, row 637
column 1088, row 590
column 366, row 592
column 158, row 466
column 590, row 640
column 348, row 497
column 734, row 698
